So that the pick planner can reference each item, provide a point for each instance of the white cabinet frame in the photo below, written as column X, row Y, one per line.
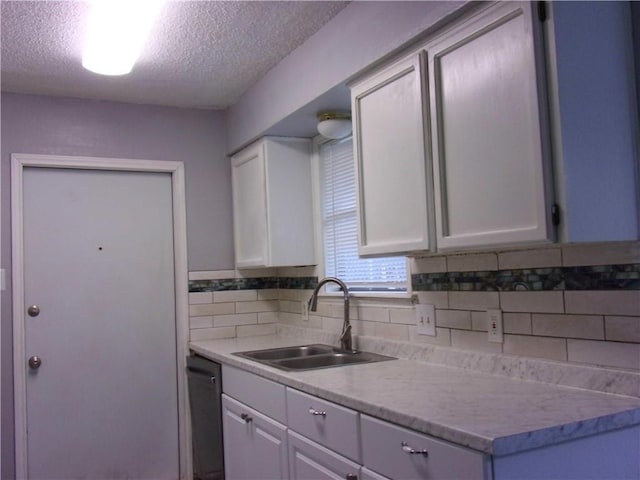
column 393, row 169
column 273, row 204
column 507, row 200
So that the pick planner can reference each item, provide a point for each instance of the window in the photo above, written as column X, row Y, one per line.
column 340, row 226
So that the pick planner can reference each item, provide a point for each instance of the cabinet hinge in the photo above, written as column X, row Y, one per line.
column 542, row 10
column 555, row 214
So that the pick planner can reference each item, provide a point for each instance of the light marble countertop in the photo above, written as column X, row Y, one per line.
column 491, row 413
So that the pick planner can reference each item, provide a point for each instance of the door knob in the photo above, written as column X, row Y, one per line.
column 33, row 310
column 35, row 362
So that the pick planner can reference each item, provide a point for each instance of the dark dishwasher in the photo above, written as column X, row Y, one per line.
column 205, row 390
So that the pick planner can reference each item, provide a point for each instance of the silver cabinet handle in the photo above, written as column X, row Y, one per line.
column 246, row 417
column 33, row 310
column 411, row 451
column 351, row 476
column 313, row 411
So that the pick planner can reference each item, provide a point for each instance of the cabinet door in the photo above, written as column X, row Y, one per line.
column 366, row 474
column 491, row 177
column 255, row 446
column 310, row 461
column 273, row 204
column 249, row 207
column 392, row 171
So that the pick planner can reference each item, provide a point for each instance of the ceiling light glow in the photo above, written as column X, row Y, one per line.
column 116, row 33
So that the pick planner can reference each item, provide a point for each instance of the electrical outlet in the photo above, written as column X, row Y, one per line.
column 425, row 319
column 494, row 323
column 305, row 311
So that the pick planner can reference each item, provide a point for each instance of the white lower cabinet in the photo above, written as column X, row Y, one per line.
column 253, row 427
column 326, row 423
column 311, row 461
column 366, row 474
column 276, row 432
column 255, row 446
column 404, row 454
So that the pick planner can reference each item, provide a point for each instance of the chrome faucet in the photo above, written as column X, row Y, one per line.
column 345, row 336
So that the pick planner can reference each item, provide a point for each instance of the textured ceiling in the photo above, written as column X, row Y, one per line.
column 202, row 54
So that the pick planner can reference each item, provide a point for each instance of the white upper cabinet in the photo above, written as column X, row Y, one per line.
column 393, row 176
column 272, row 203
column 490, row 165
column 450, row 152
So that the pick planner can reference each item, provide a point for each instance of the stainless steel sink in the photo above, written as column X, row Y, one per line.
column 287, row 352
column 310, row 357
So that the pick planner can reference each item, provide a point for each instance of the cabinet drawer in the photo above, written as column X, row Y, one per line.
column 308, row 460
column 264, row 395
column 382, row 451
column 328, row 424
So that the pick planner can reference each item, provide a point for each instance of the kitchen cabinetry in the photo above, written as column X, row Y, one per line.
column 318, row 439
column 388, row 451
column 308, row 460
column 254, row 427
column 366, row 474
column 324, row 422
column 490, row 164
column 255, row 446
column 272, row 203
column 449, row 143
column 400, row 453
column 393, row 172
column 324, row 438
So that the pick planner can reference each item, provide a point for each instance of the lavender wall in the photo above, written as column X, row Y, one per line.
column 598, row 119
column 355, row 38
column 65, row 126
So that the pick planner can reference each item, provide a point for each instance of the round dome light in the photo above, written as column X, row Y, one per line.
column 334, row 125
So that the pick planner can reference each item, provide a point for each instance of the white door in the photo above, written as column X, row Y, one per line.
column 99, row 264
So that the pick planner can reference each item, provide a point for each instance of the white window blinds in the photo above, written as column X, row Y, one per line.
column 340, row 228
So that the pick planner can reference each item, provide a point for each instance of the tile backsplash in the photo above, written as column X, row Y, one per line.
column 570, row 303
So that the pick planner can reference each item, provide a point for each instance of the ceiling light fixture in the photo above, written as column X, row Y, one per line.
column 116, row 33
column 334, row 125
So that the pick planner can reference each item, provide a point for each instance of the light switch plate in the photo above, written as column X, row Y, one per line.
column 425, row 319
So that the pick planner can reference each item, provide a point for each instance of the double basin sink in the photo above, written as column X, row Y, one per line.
column 310, row 357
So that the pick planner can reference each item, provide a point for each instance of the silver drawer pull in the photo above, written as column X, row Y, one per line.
column 246, row 417
column 411, row 451
column 313, row 411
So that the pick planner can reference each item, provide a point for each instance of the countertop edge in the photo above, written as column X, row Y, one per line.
column 498, row 446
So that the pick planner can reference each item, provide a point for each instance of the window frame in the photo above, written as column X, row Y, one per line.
column 317, row 142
